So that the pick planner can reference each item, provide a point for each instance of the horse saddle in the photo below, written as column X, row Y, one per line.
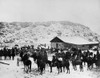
column 78, row 60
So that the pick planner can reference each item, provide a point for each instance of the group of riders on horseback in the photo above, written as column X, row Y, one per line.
column 62, row 59
column 8, row 53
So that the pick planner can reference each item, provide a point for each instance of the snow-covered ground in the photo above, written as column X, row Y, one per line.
column 14, row 71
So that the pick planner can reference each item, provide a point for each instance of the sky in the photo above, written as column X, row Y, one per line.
column 86, row 12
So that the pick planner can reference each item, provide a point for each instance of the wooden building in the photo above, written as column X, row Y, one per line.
column 57, row 43
column 71, row 42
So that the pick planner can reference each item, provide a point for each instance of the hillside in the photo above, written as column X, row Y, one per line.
column 42, row 32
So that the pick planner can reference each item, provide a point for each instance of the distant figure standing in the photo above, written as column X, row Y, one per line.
column 5, row 53
column 13, row 53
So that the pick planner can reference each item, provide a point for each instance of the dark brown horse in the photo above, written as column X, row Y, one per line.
column 41, row 60
column 77, row 61
column 27, row 63
column 59, row 63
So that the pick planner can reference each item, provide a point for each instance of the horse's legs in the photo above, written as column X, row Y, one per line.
column 44, row 68
column 0, row 58
column 61, row 69
column 13, row 57
column 64, row 69
column 92, row 66
column 41, row 71
column 38, row 67
column 5, row 57
column 30, row 67
column 9, row 57
column 24, row 68
column 50, row 68
column 74, row 67
column 27, row 69
column 17, row 61
column 68, row 69
column 84, row 63
column 58, row 70
column 81, row 68
column 88, row 66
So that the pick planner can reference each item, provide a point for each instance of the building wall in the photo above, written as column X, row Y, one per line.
column 62, row 45
column 58, row 45
column 68, row 45
column 83, row 47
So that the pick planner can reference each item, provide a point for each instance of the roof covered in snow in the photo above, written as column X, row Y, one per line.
column 73, row 40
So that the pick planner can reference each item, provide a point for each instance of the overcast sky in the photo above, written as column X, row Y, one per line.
column 86, row 12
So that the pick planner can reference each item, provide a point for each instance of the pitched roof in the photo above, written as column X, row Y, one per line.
column 76, row 40
column 56, row 39
column 72, row 40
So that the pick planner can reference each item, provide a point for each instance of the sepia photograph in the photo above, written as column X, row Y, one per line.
column 49, row 38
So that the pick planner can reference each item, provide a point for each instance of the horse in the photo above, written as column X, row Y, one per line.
column 62, row 63
column 66, row 64
column 41, row 65
column 59, row 63
column 51, row 62
column 41, row 60
column 77, row 61
column 90, row 59
column 97, row 61
column 27, row 63
column 84, row 58
column 90, row 62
